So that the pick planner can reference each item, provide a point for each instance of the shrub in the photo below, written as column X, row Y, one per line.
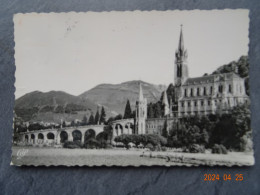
column 196, row 148
column 150, row 147
column 92, row 143
column 246, row 143
column 108, row 146
column 155, row 140
column 163, row 148
column 219, row 149
column 72, row 145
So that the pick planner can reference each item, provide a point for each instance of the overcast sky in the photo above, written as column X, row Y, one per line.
column 74, row 52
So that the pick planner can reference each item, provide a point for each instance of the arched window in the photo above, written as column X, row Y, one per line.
column 191, row 92
column 220, row 88
column 229, row 88
column 211, row 90
column 185, row 92
column 198, row 91
column 204, row 91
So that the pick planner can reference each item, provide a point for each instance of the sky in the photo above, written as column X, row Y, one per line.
column 74, row 52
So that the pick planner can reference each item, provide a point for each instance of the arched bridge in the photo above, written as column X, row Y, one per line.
column 58, row 136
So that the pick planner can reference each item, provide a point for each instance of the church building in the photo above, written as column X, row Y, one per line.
column 207, row 94
column 210, row 94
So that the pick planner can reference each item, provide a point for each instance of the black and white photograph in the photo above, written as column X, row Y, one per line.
column 132, row 88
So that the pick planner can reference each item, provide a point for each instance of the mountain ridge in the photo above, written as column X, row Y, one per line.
column 53, row 105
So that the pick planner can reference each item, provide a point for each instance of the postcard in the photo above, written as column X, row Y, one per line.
column 132, row 88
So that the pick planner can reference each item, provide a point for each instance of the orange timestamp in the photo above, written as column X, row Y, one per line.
column 225, row 177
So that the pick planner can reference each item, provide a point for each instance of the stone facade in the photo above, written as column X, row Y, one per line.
column 156, row 125
column 211, row 94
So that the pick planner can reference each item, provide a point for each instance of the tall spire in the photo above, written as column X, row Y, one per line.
column 141, row 96
column 181, row 64
column 181, row 41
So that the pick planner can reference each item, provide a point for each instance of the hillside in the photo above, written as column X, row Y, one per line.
column 241, row 67
column 114, row 97
column 56, row 105
column 51, row 105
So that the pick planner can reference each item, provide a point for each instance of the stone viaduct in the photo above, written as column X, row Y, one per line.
column 51, row 137
column 58, row 136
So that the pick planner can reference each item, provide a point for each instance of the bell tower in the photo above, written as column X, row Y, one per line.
column 141, row 112
column 181, row 64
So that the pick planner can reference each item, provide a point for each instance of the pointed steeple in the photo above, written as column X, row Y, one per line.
column 181, row 42
column 181, row 68
column 141, row 96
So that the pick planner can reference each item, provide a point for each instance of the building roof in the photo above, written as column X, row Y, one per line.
column 211, row 78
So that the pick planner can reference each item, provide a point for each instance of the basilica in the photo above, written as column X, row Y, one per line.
column 210, row 94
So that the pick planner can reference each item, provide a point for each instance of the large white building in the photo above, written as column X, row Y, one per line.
column 207, row 94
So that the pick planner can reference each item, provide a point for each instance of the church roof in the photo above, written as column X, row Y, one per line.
column 211, row 78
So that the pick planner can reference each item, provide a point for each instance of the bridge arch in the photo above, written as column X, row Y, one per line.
column 63, row 136
column 119, row 129
column 77, row 135
column 26, row 138
column 50, row 135
column 89, row 134
column 32, row 138
column 40, row 136
column 129, row 128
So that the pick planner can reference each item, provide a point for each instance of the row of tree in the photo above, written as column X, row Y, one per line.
column 230, row 130
column 145, row 139
column 95, row 120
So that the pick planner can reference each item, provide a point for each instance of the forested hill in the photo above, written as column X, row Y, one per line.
column 51, row 106
column 241, row 66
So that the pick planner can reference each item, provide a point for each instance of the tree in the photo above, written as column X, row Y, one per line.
column 91, row 120
column 84, row 120
column 103, row 116
column 118, row 117
column 63, row 124
column 97, row 117
column 157, row 110
column 128, row 111
column 164, row 130
column 150, row 113
column 111, row 119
